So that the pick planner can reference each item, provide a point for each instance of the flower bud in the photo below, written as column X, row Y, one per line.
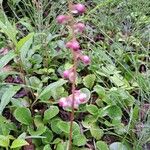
column 85, row 59
column 78, row 8
column 73, row 45
column 63, row 102
column 79, row 27
column 66, row 74
column 82, row 97
column 62, row 19
column 69, row 74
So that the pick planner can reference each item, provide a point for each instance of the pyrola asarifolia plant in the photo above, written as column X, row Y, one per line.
column 77, row 97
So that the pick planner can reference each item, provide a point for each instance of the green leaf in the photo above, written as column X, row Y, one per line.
column 96, row 132
column 99, row 90
column 63, row 126
column 4, row 141
column 118, row 146
column 113, row 112
column 35, row 82
column 48, row 136
column 50, row 113
column 47, row 147
column 76, row 129
column 39, row 131
column 92, row 109
column 46, row 93
column 6, row 58
column 23, row 115
column 6, row 97
column 87, row 92
column 61, row 146
column 79, row 140
column 89, row 80
column 54, row 126
column 38, row 121
column 19, row 143
column 23, row 47
column 8, row 29
column 101, row 145
column 117, row 79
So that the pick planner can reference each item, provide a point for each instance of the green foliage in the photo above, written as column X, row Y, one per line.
column 6, row 58
column 18, row 143
column 101, row 145
column 7, row 96
column 79, row 140
column 23, row 115
column 50, row 113
column 116, row 83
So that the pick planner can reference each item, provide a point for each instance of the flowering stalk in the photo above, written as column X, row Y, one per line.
column 77, row 97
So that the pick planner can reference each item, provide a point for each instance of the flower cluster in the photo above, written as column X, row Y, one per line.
column 74, row 46
column 79, row 98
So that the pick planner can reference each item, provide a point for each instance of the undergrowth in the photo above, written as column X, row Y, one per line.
column 33, row 56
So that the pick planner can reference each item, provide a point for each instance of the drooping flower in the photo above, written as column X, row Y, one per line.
column 79, row 27
column 62, row 19
column 63, row 102
column 73, row 45
column 78, row 8
column 85, row 59
column 79, row 98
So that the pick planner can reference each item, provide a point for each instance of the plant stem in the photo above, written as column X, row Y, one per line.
column 73, row 97
column 75, row 75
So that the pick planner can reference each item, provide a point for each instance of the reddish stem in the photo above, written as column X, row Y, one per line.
column 75, row 75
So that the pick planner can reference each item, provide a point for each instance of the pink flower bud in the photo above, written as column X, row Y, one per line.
column 78, row 8
column 66, row 74
column 63, row 102
column 69, row 74
column 85, row 59
column 79, row 27
column 73, row 44
column 82, row 97
column 62, row 19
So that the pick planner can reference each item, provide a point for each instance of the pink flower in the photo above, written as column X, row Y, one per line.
column 73, row 45
column 63, row 102
column 78, row 8
column 85, row 59
column 62, row 19
column 69, row 74
column 66, row 74
column 82, row 97
column 79, row 98
column 79, row 27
